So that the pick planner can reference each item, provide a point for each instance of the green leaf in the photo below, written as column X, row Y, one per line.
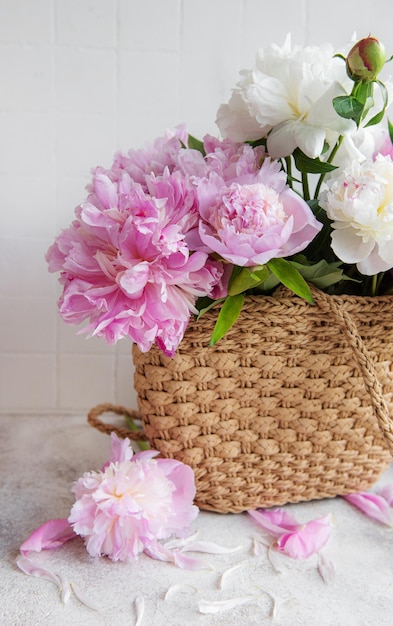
column 349, row 107
column 247, row 278
column 205, row 304
column 321, row 274
column 289, row 276
column 363, row 91
column 196, row 144
column 385, row 96
column 228, row 315
column 320, row 246
column 306, row 165
column 390, row 128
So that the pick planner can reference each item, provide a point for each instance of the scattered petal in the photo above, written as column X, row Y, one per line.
column 181, row 559
column 140, row 609
column 209, row 547
column 307, row 540
column 387, row 493
column 373, row 505
column 326, row 568
column 219, row 606
column 274, row 521
column 179, row 588
column 299, row 541
column 273, row 612
column 65, row 590
column 181, row 542
column 32, row 569
column 274, row 559
column 230, row 571
column 50, row 535
column 260, row 545
column 83, row 599
column 160, row 553
column 177, row 557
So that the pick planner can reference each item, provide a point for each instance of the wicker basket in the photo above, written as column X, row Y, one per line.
column 292, row 405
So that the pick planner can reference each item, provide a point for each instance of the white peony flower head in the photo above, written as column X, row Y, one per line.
column 287, row 97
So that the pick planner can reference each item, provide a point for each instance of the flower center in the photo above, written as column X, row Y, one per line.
column 249, row 209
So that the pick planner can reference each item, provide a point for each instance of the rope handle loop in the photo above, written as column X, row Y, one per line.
column 364, row 359
column 93, row 418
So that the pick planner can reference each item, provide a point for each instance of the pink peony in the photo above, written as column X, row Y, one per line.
column 154, row 158
column 125, row 264
column 253, row 217
column 133, row 502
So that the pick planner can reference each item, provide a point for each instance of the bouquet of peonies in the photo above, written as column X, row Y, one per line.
column 299, row 190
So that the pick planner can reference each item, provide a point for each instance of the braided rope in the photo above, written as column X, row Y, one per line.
column 123, row 432
column 364, row 360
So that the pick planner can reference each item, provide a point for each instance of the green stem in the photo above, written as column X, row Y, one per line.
column 306, row 190
column 330, row 160
column 289, row 171
column 374, row 285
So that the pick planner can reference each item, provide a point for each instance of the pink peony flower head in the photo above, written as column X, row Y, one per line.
column 133, row 502
column 125, row 264
column 252, row 218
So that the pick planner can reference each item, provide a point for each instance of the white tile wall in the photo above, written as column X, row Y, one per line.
column 80, row 79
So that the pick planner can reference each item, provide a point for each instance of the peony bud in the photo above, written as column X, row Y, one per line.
column 366, row 59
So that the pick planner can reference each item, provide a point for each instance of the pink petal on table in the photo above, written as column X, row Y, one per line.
column 209, row 547
column 274, row 521
column 373, row 505
column 306, row 540
column 183, row 560
column 32, row 569
column 326, row 568
column 50, row 535
column 83, row 599
column 387, row 493
column 177, row 557
column 140, row 609
column 219, row 606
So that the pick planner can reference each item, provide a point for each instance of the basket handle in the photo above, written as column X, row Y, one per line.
column 365, row 362
column 93, row 417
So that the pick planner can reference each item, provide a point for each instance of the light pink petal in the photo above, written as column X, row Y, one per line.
column 177, row 557
column 228, row 572
column 121, row 449
column 50, row 535
column 83, row 599
column 219, row 606
column 274, row 521
column 32, row 569
column 145, row 455
column 307, row 540
column 373, row 505
column 209, row 547
column 184, row 561
column 387, row 493
column 159, row 552
column 179, row 588
column 326, row 568
column 140, row 609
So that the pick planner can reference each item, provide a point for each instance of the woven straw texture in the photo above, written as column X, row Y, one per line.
column 293, row 404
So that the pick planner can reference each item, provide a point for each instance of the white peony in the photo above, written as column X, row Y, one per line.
column 288, row 97
column 359, row 200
